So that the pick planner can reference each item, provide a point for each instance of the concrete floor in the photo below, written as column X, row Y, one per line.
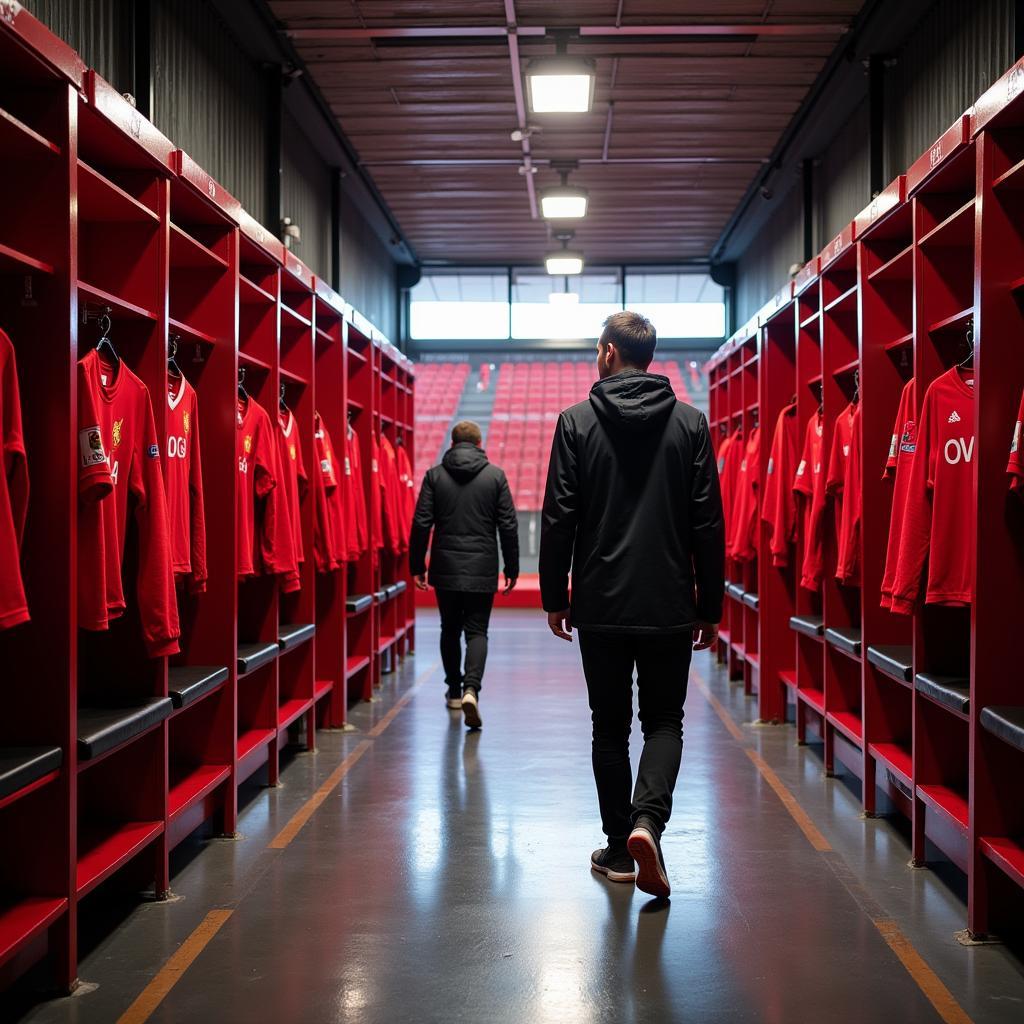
column 446, row 879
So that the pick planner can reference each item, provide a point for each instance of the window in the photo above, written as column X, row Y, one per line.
column 459, row 306
column 680, row 305
column 563, row 307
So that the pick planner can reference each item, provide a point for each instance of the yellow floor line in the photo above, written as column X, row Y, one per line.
column 924, row 977
column 171, row 973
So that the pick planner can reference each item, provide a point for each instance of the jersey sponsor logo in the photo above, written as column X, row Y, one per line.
column 186, row 423
column 90, row 446
column 118, row 425
column 908, row 440
column 325, row 466
column 954, row 417
column 177, row 447
column 846, row 451
column 153, row 451
column 291, row 451
column 802, row 468
column 243, row 464
column 1016, row 438
column 958, row 450
column 247, row 444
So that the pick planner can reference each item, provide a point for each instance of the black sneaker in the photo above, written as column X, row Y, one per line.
column 471, row 708
column 453, row 698
column 644, row 847
column 614, row 863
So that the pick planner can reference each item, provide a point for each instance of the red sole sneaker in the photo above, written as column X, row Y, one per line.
column 650, row 875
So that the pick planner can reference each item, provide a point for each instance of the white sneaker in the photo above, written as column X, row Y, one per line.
column 471, row 709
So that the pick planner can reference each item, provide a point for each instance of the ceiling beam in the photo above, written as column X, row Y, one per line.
column 546, row 161
column 517, row 87
column 787, row 30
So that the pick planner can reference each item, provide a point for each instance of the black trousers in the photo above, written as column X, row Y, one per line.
column 470, row 613
column 662, row 663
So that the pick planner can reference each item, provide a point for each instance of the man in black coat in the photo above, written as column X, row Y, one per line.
column 633, row 506
column 467, row 502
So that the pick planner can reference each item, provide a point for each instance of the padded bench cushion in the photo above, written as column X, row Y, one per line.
column 845, row 638
column 358, row 603
column 293, row 635
column 21, row 766
column 750, row 599
column 809, row 625
column 400, row 586
column 1005, row 722
column 391, row 589
column 896, row 660
column 187, row 683
column 102, row 729
column 380, row 595
column 953, row 692
column 252, row 656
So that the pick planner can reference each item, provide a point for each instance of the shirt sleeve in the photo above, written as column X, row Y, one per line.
column 158, row 605
column 197, row 509
column 1015, row 467
column 94, row 480
column 15, row 462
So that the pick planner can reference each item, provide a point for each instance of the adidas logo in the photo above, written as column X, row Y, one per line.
column 954, row 417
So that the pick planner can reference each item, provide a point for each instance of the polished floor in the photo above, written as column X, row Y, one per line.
column 445, row 878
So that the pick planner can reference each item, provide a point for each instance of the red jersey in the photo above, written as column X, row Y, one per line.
column 743, row 536
column 407, row 487
column 1015, row 467
column 851, row 494
column 356, row 519
column 262, row 540
column 185, row 486
column 390, row 497
column 375, row 508
column 730, row 458
column 897, row 466
column 838, row 461
column 810, row 482
column 329, row 543
column 938, row 525
column 778, row 505
column 124, row 433
column 13, row 492
column 293, row 490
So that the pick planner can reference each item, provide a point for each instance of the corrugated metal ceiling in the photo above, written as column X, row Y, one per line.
column 679, row 127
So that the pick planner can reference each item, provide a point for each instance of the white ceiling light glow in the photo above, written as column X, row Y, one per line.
column 563, row 203
column 560, row 85
column 564, row 263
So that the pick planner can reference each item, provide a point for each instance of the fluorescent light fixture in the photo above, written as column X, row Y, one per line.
column 563, row 203
column 564, row 298
column 564, row 263
column 560, row 85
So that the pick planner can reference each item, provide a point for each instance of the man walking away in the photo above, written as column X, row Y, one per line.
column 466, row 501
column 633, row 505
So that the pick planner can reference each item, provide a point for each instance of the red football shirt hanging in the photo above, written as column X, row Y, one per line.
column 356, row 528
column 939, row 522
column 375, row 508
column 329, row 542
column 778, row 505
column 897, row 466
column 127, row 437
column 390, row 496
column 848, row 547
column 1015, row 467
column 730, row 458
column 408, row 491
column 743, row 538
column 810, row 482
column 185, row 485
column 293, row 489
column 13, row 492
column 838, row 462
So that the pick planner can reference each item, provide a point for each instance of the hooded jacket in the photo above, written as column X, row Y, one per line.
column 467, row 502
column 633, row 505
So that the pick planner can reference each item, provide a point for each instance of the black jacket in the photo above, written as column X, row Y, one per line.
column 633, row 504
column 466, row 501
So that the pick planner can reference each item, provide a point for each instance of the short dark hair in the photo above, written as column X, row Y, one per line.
column 633, row 335
column 466, row 431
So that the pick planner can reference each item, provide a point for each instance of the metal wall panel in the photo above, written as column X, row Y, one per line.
column 100, row 30
column 959, row 50
column 208, row 98
column 842, row 178
column 369, row 278
column 765, row 265
column 306, row 198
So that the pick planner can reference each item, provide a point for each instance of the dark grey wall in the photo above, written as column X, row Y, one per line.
column 208, row 97
column 954, row 54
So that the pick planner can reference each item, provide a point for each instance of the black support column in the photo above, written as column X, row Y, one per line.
column 140, row 15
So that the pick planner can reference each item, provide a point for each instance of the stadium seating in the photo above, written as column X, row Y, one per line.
column 438, row 389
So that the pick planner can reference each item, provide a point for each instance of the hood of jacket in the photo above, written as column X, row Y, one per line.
column 633, row 402
column 464, row 460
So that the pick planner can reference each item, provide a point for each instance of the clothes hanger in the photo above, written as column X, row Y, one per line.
column 105, row 345
column 242, row 393
column 856, row 387
column 172, row 363
column 282, row 404
column 967, row 363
